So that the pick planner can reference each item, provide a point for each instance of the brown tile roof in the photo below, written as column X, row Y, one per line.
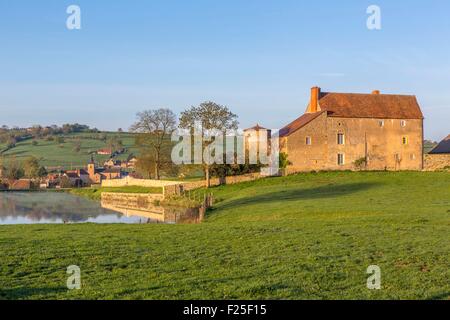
column 442, row 147
column 22, row 184
column 357, row 105
column 299, row 123
column 382, row 106
column 108, row 151
column 71, row 174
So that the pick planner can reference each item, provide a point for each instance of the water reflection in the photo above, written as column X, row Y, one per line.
column 55, row 207
column 149, row 206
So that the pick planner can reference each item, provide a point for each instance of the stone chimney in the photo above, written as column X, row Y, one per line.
column 376, row 92
column 314, row 103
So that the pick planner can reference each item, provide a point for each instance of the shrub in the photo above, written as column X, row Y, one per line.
column 15, row 171
column 284, row 161
column 360, row 163
column 65, row 183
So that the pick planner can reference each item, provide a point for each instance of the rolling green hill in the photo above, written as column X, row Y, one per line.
column 55, row 154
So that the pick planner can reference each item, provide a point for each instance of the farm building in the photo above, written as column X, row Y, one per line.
column 347, row 131
column 439, row 157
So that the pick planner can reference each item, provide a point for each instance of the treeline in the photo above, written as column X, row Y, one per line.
column 11, row 136
column 29, row 168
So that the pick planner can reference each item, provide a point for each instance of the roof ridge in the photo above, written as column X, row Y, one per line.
column 370, row 94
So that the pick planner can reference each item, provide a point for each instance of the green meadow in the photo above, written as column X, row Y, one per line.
column 55, row 154
column 308, row 236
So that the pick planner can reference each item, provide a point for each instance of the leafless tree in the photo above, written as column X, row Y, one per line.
column 211, row 117
column 155, row 128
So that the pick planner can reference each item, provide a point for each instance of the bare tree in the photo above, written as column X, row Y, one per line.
column 155, row 127
column 211, row 117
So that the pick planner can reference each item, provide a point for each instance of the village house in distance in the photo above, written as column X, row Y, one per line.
column 112, row 169
column 341, row 131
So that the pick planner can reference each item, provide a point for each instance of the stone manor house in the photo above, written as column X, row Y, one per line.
column 343, row 131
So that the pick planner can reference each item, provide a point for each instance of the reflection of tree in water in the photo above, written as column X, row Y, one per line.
column 38, row 206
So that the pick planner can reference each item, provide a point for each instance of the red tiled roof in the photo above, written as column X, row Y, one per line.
column 356, row 105
column 72, row 174
column 104, row 151
column 380, row 106
column 442, row 147
column 22, row 184
column 298, row 123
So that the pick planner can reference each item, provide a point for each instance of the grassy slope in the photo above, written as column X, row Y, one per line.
column 299, row 237
column 51, row 154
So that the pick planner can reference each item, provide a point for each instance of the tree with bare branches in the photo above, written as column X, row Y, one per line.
column 211, row 117
column 155, row 128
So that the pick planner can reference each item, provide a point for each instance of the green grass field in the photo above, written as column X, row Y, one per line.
column 54, row 154
column 299, row 237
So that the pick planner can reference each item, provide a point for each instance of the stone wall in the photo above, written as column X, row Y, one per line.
column 175, row 187
column 129, row 181
column 381, row 142
column 305, row 157
column 137, row 201
column 147, row 206
column 435, row 162
column 218, row 181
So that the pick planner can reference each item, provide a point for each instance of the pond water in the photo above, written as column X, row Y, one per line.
column 58, row 208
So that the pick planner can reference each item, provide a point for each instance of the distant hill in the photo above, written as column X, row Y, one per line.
column 54, row 153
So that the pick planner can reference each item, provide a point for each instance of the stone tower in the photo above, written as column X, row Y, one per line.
column 91, row 168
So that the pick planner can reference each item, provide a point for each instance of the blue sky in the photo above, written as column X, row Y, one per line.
column 258, row 57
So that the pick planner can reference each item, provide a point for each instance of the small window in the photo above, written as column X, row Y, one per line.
column 308, row 141
column 405, row 140
column 381, row 123
column 340, row 138
column 412, row 156
column 340, row 159
column 403, row 123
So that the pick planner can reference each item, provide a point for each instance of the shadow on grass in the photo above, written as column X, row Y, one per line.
column 321, row 192
column 30, row 293
column 442, row 296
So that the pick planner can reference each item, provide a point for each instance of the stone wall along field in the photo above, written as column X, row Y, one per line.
column 147, row 201
column 435, row 162
column 173, row 187
column 129, row 181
